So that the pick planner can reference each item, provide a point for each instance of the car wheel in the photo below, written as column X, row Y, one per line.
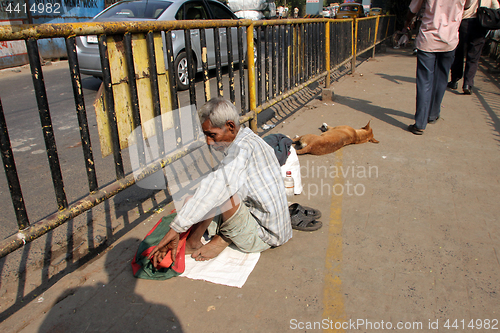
column 181, row 71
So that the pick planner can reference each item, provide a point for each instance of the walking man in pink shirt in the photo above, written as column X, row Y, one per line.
column 436, row 42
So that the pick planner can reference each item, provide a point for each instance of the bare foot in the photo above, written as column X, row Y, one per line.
column 211, row 250
column 192, row 245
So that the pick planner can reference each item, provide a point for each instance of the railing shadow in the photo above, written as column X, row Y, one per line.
column 118, row 216
column 490, row 100
column 120, row 308
column 53, row 268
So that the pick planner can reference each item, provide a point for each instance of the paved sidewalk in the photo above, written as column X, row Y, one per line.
column 410, row 233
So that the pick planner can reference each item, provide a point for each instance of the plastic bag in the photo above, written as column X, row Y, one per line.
column 292, row 164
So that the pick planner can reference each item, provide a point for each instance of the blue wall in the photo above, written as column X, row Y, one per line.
column 44, row 11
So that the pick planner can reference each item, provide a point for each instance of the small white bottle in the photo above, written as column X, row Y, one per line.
column 289, row 186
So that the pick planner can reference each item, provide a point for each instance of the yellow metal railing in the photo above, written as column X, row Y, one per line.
column 294, row 53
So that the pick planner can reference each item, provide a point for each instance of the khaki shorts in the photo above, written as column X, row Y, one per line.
column 241, row 228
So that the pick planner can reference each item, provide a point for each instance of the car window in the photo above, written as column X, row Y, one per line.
column 220, row 12
column 193, row 10
column 136, row 9
column 349, row 8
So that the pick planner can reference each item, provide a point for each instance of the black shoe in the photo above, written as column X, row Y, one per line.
column 453, row 85
column 467, row 89
column 415, row 130
column 433, row 121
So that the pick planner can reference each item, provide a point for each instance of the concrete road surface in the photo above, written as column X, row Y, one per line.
column 410, row 240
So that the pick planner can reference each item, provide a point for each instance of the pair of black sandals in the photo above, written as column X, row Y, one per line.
column 304, row 218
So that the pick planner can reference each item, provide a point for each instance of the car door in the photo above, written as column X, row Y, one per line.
column 220, row 12
column 196, row 10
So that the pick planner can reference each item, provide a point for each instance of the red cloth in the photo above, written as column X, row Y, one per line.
column 149, row 243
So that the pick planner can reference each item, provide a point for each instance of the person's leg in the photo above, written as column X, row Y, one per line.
column 457, row 68
column 425, row 77
column 443, row 63
column 475, row 46
column 193, row 242
column 241, row 229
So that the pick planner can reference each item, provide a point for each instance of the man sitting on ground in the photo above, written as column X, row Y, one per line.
column 244, row 198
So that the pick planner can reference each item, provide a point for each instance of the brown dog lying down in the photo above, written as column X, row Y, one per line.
column 332, row 139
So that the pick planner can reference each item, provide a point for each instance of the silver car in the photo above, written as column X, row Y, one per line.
column 162, row 10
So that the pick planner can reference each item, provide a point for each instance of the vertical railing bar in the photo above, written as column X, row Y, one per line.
column 259, row 65
column 155, row 91
column 287, row 57
column 266, row 50
column 275, row 59
column 333, row 45
column 297, row 53
column 171, row 72
column 46, row 122
column 229, row 39
column 252, row 94
column 326, row 54
column 218, row 63
column 314, row 45
column 132, row 84
column 280, row 63
column 319, row 48
column 173, row 84
column 241, row 73
column 307, row 53
column 375, row 35
column 303, row 56
column 292, row 62
column 81, row 114
column 191, row 67
column 110, row 104
column 9, row 165
column 313, row 49
column 321, row 56
column 204, row 63
column 321, row 52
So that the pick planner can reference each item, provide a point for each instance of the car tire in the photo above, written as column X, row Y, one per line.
column 181, row 71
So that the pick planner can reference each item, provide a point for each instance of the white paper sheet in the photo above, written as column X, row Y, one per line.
column 231, row 267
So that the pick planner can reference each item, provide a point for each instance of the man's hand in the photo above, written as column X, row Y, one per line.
column 169, row 242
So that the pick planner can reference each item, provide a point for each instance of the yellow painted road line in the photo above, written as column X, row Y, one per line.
column 333, row 300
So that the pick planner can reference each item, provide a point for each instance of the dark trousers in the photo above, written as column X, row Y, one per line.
column 471, row 42
column 432, row 78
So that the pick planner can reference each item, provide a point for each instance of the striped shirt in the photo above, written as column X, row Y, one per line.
column 251, row 170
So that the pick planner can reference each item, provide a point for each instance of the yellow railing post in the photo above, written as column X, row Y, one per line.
column 252, row 91
column 354, row 36
column 327, row 54
column 375, row 38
